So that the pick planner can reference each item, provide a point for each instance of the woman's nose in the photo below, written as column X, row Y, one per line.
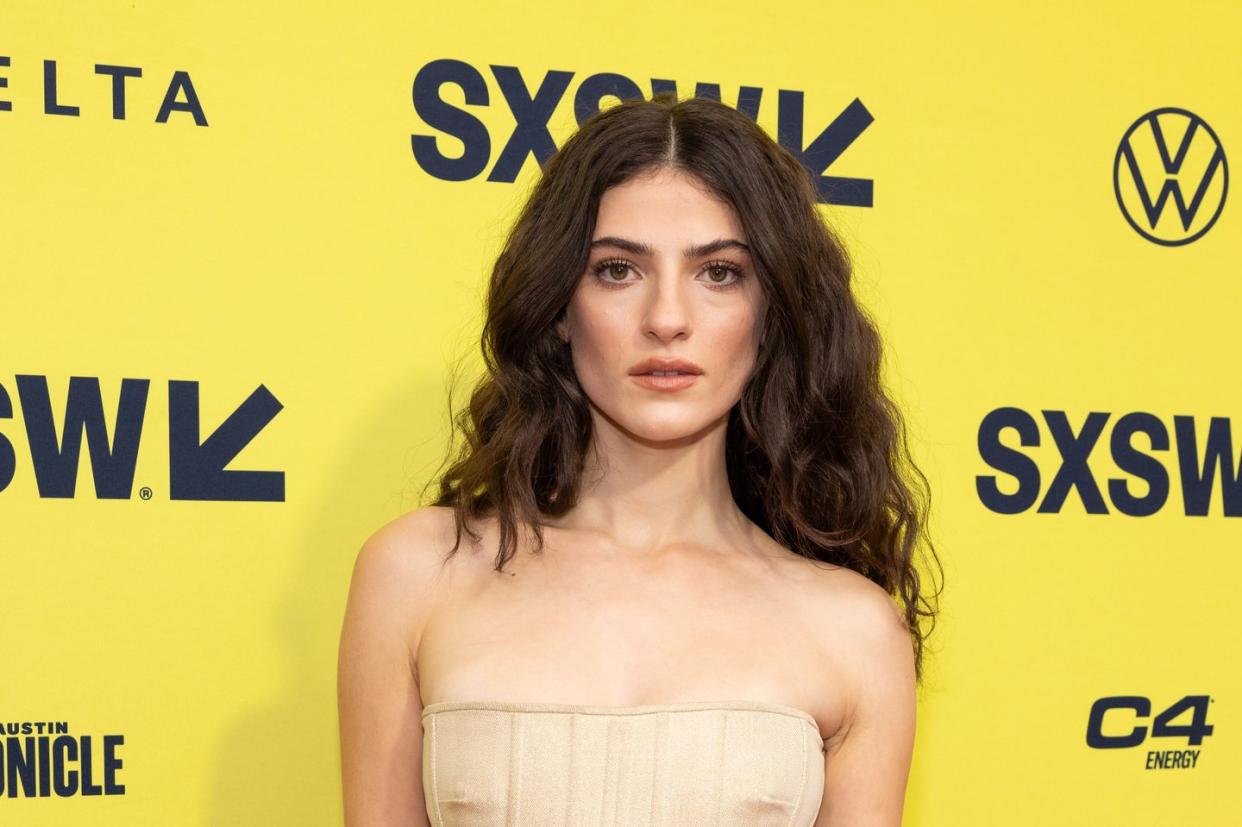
column 668, row 311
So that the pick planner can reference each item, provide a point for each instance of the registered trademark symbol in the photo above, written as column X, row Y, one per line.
column 144, row 492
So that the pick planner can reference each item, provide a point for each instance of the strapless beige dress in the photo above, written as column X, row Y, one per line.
column 698, row 764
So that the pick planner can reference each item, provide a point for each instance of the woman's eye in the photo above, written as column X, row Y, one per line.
column 719, row 275
column 611, row 272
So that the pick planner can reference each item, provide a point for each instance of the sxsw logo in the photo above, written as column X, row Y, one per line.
column 196, row 466
column 1170, row 157
column 532, row 110
column 1201, row 458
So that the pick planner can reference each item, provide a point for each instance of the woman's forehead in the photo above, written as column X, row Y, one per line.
column 666, row 212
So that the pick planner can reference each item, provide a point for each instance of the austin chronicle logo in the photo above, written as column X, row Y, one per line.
column 1170, row 155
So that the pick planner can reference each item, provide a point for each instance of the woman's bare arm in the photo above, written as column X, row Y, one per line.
column 379, row 707
column 868, row 765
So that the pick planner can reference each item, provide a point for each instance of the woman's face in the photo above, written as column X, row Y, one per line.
column 643, row 296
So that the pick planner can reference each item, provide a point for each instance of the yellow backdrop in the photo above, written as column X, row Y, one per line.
column 270, row 225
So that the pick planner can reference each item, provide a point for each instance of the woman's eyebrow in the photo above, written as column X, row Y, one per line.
column 639, row 248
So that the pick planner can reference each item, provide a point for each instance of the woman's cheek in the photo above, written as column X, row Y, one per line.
column 594, row 372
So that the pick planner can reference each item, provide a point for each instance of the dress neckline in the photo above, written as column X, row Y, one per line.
column 633, row 709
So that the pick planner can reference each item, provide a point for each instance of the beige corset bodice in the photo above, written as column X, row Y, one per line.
column 720, row 763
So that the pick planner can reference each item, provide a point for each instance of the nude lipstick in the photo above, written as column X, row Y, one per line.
column 665, row 374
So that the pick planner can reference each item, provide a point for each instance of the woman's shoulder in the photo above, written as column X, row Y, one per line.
column 404, row 566
column 837, row 593
column 417, row 547
column 856, row 602
column 850, row 614
column 861, row 630
column 407, row 543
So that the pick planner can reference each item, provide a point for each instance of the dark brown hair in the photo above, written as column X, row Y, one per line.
column 816, row 450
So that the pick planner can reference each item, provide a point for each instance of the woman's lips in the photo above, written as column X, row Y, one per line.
column 665, row 383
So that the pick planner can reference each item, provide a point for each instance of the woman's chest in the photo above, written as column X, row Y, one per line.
column 723, row 764
column 621, row 637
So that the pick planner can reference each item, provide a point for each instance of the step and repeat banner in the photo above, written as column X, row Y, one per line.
column 243, row 249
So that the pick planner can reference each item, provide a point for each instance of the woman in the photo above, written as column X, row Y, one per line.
column 687, row 501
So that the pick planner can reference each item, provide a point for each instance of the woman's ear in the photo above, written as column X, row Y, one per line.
column 562, row 330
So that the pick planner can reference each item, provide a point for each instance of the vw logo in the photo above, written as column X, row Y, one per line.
column 1171, row 195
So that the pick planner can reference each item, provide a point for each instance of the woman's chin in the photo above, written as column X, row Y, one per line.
column 670, row 431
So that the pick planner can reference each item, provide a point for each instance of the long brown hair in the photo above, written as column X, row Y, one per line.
column 816, row 450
